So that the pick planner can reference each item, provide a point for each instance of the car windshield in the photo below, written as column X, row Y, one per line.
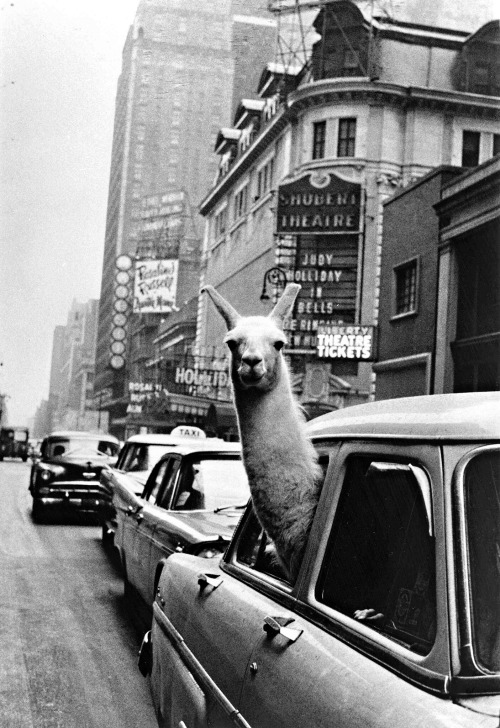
column 84, row 447
column 482, row 499
column 141, row 457
column 212, row 483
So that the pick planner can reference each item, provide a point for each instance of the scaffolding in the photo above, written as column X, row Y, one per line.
column 297, row 36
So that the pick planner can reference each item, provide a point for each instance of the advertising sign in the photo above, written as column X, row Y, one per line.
column 326, row 268
column 319, row 203
column 155, row 286
column 141, row 394
column 353, row 342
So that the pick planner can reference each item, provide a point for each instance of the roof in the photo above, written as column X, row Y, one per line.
column 83, row 435
column 155, row 439
column 473, row 416
column 210, row 445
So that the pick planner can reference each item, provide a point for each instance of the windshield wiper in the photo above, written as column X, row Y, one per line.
column 227, row 508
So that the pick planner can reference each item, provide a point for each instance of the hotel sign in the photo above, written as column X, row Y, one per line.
column 319, row 203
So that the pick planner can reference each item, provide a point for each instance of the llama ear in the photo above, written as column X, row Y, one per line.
column 285, row 304
column 228, row 313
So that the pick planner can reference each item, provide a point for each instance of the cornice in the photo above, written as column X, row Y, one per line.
column 335, row 91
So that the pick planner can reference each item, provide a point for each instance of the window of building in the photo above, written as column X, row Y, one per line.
column 470, row 148
column 220, row 223
column 319, row 139
column 351, row 64
column 240, row 202
column 385, row 580
column 496, row 144
column 265, row 179
column 347, row 138
column 406, row 276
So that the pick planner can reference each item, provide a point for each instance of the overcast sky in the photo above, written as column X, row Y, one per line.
column 59, row 64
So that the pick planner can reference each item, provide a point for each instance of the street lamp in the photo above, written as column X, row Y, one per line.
column 276, row 277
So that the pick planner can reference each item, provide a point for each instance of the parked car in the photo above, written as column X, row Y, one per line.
column 65, row 480
column 136, row 459
column 192, row 501
column 14, row 443
column 395, row 614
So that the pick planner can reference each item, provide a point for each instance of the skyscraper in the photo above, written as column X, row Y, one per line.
column 185, row 64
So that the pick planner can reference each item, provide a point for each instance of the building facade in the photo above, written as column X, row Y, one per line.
column 439, row 326
column 183, row 64
column 304, row 175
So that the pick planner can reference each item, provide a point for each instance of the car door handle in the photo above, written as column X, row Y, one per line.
column 139, row 517
column 213, row 580
column 280, row 625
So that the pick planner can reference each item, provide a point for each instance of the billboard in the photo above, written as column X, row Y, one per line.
column 155, row 286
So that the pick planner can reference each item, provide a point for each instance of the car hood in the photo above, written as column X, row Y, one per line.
column 209, row 524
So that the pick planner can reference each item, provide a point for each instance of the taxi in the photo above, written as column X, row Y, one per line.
column 395, row 614
column 191, row 502
column 137, row 457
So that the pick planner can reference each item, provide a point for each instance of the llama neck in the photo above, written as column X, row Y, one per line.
column 260, row 414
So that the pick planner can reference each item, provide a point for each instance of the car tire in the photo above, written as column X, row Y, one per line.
column 107, row 536
column 37, row 512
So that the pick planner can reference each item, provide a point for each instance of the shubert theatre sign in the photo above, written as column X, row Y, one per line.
column 322, row 214
column 319, row 203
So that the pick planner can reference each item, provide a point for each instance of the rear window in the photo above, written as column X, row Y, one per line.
column 209, row 483
column 76, row 447
column 379, row 566
column 482, row 511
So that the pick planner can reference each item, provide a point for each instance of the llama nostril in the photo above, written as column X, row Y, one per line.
column 251, row 359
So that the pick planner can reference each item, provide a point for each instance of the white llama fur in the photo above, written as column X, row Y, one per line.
column 280, row 462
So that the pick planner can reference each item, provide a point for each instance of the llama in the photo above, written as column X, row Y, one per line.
column 280, row 462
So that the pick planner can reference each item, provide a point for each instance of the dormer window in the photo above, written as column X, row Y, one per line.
column 478, row 70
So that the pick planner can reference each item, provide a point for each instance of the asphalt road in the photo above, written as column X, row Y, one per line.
column 68, row 645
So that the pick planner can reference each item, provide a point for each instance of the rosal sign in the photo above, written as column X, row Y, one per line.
column 155, row 286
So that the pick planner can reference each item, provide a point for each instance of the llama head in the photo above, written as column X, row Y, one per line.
column 255, row 342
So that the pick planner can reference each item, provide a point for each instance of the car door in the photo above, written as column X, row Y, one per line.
column 216, row 611
column 371, row 619
column 161, row 541
column 140, row 526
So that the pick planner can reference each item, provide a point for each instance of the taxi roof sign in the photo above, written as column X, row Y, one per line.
column 188, row 431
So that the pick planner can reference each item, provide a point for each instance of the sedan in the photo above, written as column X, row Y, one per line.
column 395, row 614
column 192, row 501
column 65, row 480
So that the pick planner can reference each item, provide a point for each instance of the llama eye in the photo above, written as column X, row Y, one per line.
column 232, row 344
column 278, row 345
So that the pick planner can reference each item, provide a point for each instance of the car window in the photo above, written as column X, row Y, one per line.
column 169, row 481
column 256, row 551
column 141, row 457
column 482, row 509
column 155, row 480
column 211, row 482
column 379, row 566
column 79, row 447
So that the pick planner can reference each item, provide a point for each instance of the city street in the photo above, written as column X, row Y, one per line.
column 68, row 650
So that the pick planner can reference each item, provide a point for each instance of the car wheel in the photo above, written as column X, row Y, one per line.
column 37, row 512
column 107, row 536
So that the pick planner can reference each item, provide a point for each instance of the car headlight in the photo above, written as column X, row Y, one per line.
column 45, row 475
